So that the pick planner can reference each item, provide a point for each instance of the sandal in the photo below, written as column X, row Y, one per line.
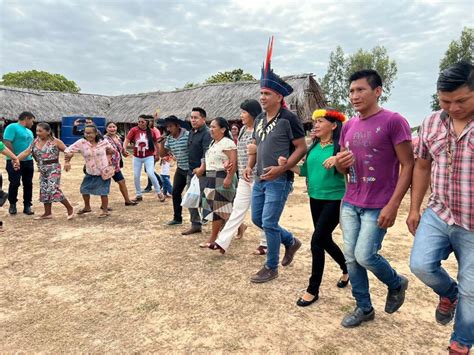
column 204, row 245
column 83, row 211
column 215, row 246
column 261, row 250
column 131, row 203
column 104, row 215
column 161, row 197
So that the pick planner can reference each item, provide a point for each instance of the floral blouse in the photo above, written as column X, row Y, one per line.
column 95, row 157
column 215, row 156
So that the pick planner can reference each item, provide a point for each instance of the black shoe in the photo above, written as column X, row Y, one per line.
column 174, row 222
column 290, row 252
column 147, row 190
column 264, row 275
column 395, row 298
column 357, row 317
column 138, row 199
column 3, row 197
column 303, row 303
column 12, row 209
column 341, row 283
column 28, row 211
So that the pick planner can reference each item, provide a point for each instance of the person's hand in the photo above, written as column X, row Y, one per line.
column 247, row 174
column 228, row 166
column 198, row 171
column 272, row 172
column 282, row 160
column 312, row 134
column 67, row 166
column 387, row 216
column 344, row 160
column 413, row 220
column 227, row 182
column 16, row 164
column 329, row 162
column 77, row 122
column 125, row 153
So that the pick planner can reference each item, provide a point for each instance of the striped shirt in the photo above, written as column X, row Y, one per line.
column 179, row 148
column 452, row 169
column 245, row 138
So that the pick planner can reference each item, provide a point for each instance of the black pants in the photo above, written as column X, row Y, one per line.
column 23, row 176
column 325, row 215
column 179, row 183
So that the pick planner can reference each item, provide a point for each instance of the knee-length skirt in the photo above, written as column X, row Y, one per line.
column 217, row 200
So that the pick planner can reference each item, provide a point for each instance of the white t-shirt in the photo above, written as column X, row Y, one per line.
column 215, row 156
column 165, row 168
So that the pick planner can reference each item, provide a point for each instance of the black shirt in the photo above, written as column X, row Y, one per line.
column 275, row 139
column 198, row 143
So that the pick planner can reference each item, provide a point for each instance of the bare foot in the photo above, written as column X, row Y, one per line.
column 308, row 297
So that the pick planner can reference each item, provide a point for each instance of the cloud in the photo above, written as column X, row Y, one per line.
column 114, row 47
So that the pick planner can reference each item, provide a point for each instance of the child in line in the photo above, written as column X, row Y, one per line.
column 165, row 175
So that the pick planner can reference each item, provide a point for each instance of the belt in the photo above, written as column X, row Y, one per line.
column 49, row 162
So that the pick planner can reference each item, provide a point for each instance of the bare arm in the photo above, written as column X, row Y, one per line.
column 344, row 160
column 8, row 144
column 9, row 153
column 419, row 186
column 252, row 160
column 388, row 214
column 60, row 144
column 162, row 150
column 24, row 154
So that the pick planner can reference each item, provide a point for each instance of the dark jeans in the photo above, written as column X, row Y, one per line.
column 325, row 215
column 23, row 176
column 179, row 183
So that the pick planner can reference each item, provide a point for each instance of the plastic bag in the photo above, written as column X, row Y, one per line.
column 192, row 197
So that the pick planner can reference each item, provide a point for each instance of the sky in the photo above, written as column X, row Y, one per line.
column 115, row 47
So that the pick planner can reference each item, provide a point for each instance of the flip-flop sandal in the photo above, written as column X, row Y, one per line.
column 104, row 215
column 83, row 211
column 261, row 250
column 204, row 245
column 131, row 203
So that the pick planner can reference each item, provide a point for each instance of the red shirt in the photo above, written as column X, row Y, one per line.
column 141, row 147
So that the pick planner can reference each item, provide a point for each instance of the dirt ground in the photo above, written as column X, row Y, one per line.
column 130, row 284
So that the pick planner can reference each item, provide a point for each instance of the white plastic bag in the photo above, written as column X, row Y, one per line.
column 192, row 197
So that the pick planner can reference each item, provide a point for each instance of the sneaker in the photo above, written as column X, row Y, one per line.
column 290, row 252
column 174, row 222
column 3, row 197
column 457, row 349
column 445, row 310
column 264, row 275
column 357, row 317
column 395, row 298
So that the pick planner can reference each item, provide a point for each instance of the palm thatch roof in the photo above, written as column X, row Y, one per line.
column 217, row 99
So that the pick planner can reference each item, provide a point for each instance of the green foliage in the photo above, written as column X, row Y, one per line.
column 229, row 76
column 336, row 81
column 461, row 50
column 39, row 80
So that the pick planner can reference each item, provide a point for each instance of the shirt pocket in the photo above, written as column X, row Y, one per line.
column 437, row 144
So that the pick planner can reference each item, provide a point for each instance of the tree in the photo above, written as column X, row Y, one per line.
column 229, row 76
column 336, row 81
column 462, row 50
column 39, row 80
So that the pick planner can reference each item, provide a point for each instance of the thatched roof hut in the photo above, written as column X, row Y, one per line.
column 217, row 99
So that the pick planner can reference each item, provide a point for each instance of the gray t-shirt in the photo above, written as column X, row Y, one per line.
column 274, row 139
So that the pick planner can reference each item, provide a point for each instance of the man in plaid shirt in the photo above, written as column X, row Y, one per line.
column 446, row 151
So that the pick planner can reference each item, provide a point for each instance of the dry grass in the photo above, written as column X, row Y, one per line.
column 130, row 284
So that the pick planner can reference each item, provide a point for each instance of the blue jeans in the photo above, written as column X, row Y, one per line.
column 435, row 240
column 268, row 202
column 167, row 188
column 362, row 241
column 150, row 170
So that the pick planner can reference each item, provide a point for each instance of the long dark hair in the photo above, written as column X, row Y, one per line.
column 47, row 128
column 222, row 123
column 98, row 137
column 149, row 134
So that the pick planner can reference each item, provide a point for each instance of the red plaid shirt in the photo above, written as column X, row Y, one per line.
column 452, row 169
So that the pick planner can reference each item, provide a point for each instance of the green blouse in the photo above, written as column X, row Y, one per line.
column 323, row 184
column 2, row 146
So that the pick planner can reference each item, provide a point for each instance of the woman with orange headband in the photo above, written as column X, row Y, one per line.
column 326, row 188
